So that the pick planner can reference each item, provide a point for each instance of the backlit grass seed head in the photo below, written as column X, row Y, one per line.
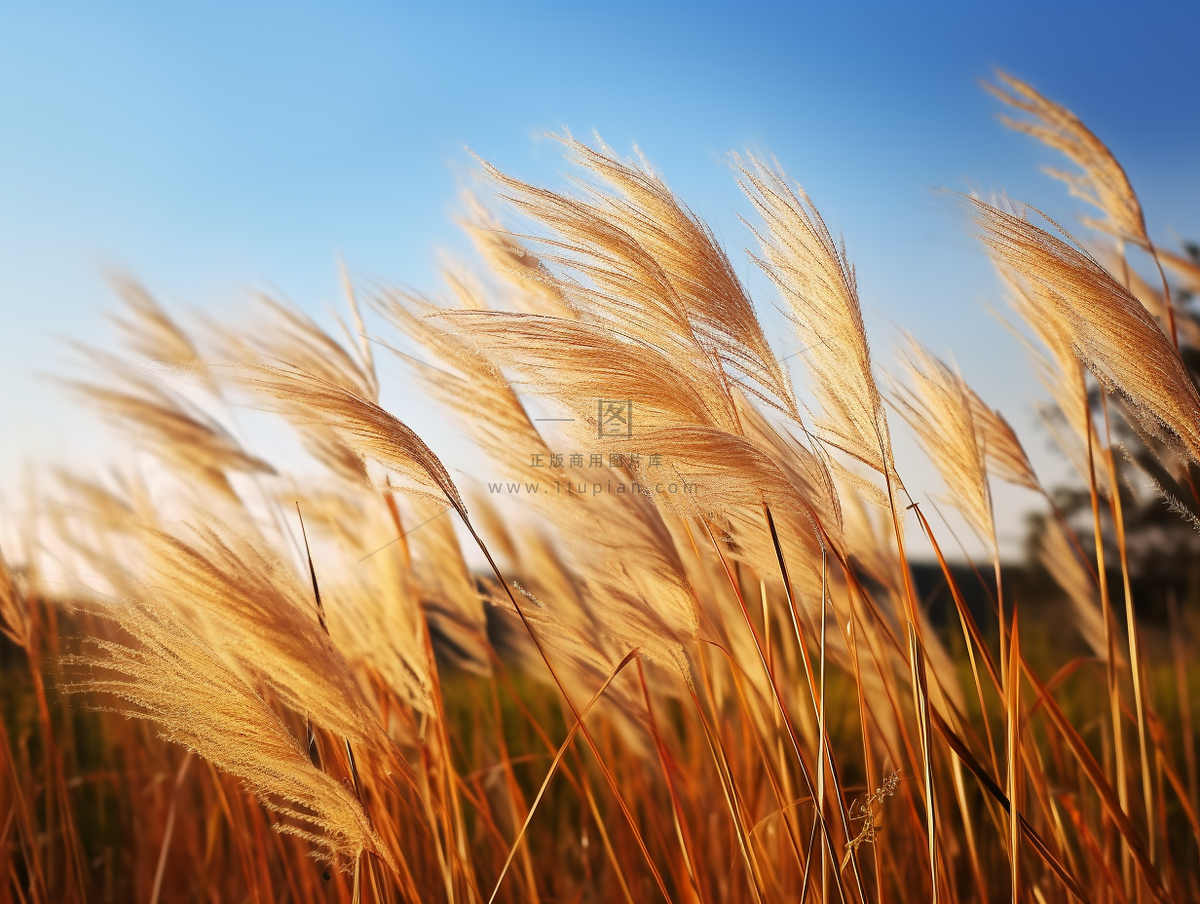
column 170, row 676
column 1101, row 181
column 938, row 406
column 363, row 425
column 186, row 438
column 229, row 583
column 817, row 283
column 148, row 330
column 1002, row 449
column 1111, row 331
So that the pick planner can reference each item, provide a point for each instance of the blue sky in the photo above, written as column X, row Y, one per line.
column 214, row 149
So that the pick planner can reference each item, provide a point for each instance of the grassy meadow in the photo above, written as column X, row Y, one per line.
column 677, row 653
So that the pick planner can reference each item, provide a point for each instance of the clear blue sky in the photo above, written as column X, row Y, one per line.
column 211, row 149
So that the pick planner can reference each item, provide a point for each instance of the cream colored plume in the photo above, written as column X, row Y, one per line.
column 660, row 321
column 808, row 470
column 818, row 284
column 1102, row 182
column 616, row 540
column 186, row 438
column 1111, row 331
column 648, row 267
column 149, row 330
column 939, row 407
column 578, row 362
column 1005, row 455
column 535, row 289
column 287, row 336
column 226, row 581
column 372, row 609
column 364, row 426
column 1062, row 374
column 174, row 679
column 469, row 384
